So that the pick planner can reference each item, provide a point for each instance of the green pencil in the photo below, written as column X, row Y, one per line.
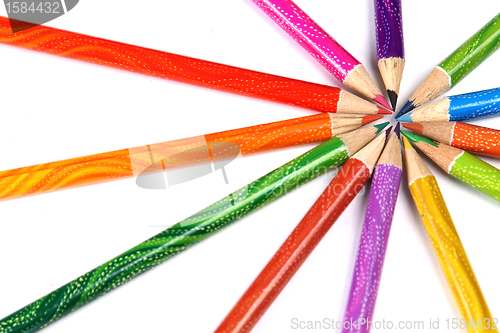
column 460, row 164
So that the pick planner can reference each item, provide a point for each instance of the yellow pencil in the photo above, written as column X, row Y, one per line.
column 447, row 245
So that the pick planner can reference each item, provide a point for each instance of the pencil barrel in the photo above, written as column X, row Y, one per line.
column 451, row 255
column 372, row 248
column 172, row 66
column 176, row 239
column 478, row 104
column 389, row 29
column 310, row 36
column 478, row 174
column 473, row 52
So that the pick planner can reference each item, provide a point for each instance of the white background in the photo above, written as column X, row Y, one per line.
column 53, row 108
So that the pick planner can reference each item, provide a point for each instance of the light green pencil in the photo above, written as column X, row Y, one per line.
column 460, row 164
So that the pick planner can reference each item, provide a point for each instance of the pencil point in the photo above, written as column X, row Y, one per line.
column 393, row 97
column 370, row 119
column 380, row 127
column 381, row 110
column 397, row 130
column 417, row 138
column 381, row 100
column 415, row 127
column 406, row 118
column 387, row 133
column 407, row 143
column 407, row 108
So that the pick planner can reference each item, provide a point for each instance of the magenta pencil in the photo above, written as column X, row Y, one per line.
column 347, row 69
column 374, row 238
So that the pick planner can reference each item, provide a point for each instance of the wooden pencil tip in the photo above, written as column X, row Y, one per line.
column 393, row 97
column 417, row 138
column 407, row 143
column 380, row 127
column 407, row 108
column 387, row 133
column 370, row 118
column 415, row 127
column 381, row 100
column 397, row 130
column 383, row 111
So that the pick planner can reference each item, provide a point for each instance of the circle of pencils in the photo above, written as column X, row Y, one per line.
column 447, row 244
column 457, row 65
column 326, row 50
column 360, row 150
column 303, row 240
column 477, row 139
column 461, row 165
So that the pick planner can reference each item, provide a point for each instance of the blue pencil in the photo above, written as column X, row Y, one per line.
column 479, row 104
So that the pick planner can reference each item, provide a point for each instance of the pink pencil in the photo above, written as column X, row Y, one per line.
column 347, row 69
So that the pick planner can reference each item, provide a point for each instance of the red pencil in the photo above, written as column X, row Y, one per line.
column 302, row 241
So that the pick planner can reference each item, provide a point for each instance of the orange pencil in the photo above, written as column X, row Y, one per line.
column 195, row 150
column 477, row 139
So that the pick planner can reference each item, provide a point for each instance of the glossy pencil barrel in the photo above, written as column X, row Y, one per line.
column 372, row 247
column 389, row 29
column 473, row 52
column 310, row 36
column 478, row 174
column 297, row 248
column 176, row 239
column 172, row 66
column 451, row 254
column 127, row 162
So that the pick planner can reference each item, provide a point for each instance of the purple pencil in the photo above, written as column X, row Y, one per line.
column 390, row 46
column 374, row 238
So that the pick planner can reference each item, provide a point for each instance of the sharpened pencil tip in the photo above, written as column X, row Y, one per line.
column 380, row 127
column 370, row 119
column 381, row 100
column 406, row 118
column 397, row 130
column 381, row 110
column 415, row 127
column 407, row 108
column 387, row 133
column 417, row 138
column 393, row 97
column 407, row 143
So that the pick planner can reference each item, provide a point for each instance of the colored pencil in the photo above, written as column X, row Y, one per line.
column 185, row 69
column 457, row 65
column 479, row 104
column 460, row 164
column 477, row 139
column 390, row 45
column 303, row 240
column 126, row 163
column 326, row 50
column 447, row 244
column 374, row 239
column 186, row 233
